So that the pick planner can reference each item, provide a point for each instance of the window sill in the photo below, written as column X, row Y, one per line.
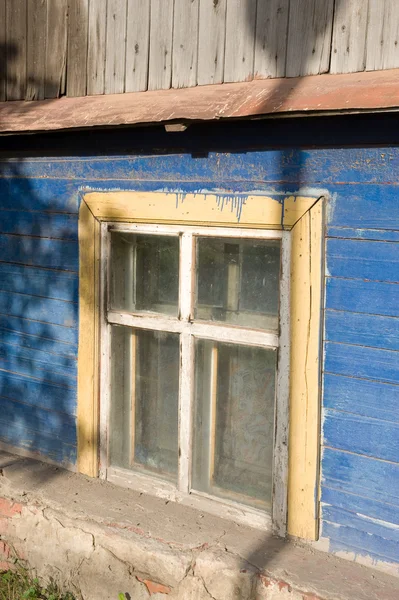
column 226, row 509
column 105, row 539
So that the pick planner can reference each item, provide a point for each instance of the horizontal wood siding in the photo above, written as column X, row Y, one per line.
column 39, row 306
column 52, row 47
column 360, row 487
column 38, row 316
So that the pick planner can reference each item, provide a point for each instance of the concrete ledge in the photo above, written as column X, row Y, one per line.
column 101, row 540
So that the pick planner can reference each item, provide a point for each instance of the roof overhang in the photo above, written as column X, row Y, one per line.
column 317, row 94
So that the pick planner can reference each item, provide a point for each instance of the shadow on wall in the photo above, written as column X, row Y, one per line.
column 39, row 294
column 313, row 34
column 38, row 306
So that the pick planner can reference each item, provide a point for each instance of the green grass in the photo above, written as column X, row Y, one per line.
column 21, row 585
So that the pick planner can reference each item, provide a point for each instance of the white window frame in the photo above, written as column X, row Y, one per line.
column 188, row 330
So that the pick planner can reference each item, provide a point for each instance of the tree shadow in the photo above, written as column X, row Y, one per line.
column 309, row 36
column 38, row 305
column 39, row 296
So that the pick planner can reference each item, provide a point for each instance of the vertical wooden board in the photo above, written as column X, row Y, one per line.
column 96, row 47
column 88, row 357
column 211, row 38
column 56, row 48
column 77, row 47
column 115, row 47
column 271, row 38
column 240, row 40
column 185, row 43
column 304, row 431
column 382, row 50
column 137, row 45
column 349, row 36
column 309, row 37
column 16, row 30
column 3, row 50
column 36, row 50
column 160, row 63
column 282, row 407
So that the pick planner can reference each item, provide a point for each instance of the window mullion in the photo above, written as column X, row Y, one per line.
column 234, row 335
column 186, row 275
column 187, row 267
column 280, row 454
column 185, row 410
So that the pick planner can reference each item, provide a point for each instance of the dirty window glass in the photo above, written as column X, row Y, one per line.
column 238, row 281
column 234, row 421
column 144, row 403
column 144, row 273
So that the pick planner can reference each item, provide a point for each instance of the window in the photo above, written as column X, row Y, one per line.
column 296, row 221
column 196, row 374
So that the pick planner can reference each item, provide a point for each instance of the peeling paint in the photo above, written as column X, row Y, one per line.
column 378, row 521
column 331, row 207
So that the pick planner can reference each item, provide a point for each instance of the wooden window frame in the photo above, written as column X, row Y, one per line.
column 189, row 330
column 300, row 219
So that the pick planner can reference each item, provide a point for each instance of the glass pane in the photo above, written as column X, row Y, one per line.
column 144, row 400
column 234, row 422
column 144, row 273
column 238, row 281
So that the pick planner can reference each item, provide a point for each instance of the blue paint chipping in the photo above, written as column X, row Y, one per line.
column 362, row 435
column 231, row 202
column 361, row 476
column 362, row 397
column 354, row 504
column 39, row 261
column 362, row 543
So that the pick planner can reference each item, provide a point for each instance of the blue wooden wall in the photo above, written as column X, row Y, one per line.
column 39, row 199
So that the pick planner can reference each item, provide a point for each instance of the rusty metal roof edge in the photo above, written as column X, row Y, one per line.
column 310, row 95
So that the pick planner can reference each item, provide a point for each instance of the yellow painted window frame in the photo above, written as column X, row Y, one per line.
column 301, row 214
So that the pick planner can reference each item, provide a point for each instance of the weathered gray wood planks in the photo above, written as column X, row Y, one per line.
column 382, row 51
column 309, row 37
column 16, row 29
column 185, row 43
column 96, row 47
column 78, row 47
column 36, row 49
column 115, row 56
column 56, row 48
column 349, row 38
column 271, row 36
column 3, row 51
column 240, row 40
column 160, row 62
column 137, row 45
column 211, row 39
